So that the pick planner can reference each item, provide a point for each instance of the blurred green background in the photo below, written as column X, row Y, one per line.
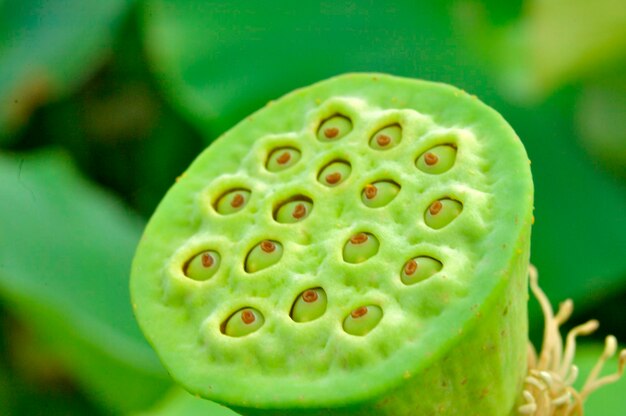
column 104, row 103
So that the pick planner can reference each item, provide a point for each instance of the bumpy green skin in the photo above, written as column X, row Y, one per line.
column 454, row 343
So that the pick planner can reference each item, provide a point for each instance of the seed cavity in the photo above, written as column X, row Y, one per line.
column 282, row 158
column 360, row 247
column 243, row 322
column 263, row 255
column 232, row 201
column 294, row 210
column 442, row 212
column 202, row 266
column 334, row 128
column 386, row 138
column 379, row 194
column 437, row 160
column 335, row 173
column 419, row 269
column 362, row 320
column 309, row 305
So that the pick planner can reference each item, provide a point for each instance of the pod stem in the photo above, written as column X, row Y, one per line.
column 551, row 374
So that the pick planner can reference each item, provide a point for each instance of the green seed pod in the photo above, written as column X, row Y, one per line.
column 335, row 173
column 437, row 160
column 203, row 266
column 243, row 322
column 283, row 158
column 386, row 138
column 309, row 305
column 418, row 269
column 360, row 247
column 334, row 128
column 453, row 344
column 379, row 194
column 293, row 211
column 232, row 201
column 441, row 213
column 263, row 255
column 362, row 320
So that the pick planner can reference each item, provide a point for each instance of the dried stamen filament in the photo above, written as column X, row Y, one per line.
column 418, row 269
column 243, row 322
column 334, row 128
column 362, row 320
column 263, row 255
column 309, row 305
column 360, row 247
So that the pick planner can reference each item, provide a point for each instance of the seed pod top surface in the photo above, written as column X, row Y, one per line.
column 419, row 332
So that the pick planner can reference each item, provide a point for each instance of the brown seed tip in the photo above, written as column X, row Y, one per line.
column 430, row 158
column 410, row 268
column 299, row 211
column 267, row 246
column 333, row 178
column 383, row 140
column 309, row 296
column 370, row 191
column 331, row 132
column 284, row 158
column 359, row 312
column 237, row 201
column 359, row 238
column 207, row 260
column 435, row 207
column 247, row 316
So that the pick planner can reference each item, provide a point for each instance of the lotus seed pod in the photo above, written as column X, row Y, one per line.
column 362, row 320
column 441, row 213
column 281, row 159
column 386, row 138
column 243, row 322
column 335, row 173
column 263, row 255
column 360, row 247
column 379, row 194
column 203, row 266
column 437, row 159
column 445, row 335
column 310, row 305
column 232, row 201
column 294, row 211
column 334, row 128
column 419, row 269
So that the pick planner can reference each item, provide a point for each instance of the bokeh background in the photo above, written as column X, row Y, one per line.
column 104, row 103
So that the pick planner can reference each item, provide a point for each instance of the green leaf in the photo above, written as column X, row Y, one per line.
column 180, row 402
column 609, row 400
column 47, row 48
column 65, row 253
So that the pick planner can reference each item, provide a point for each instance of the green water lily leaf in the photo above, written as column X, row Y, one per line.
column 47, row 48
column 180, row 402
column 65, row 253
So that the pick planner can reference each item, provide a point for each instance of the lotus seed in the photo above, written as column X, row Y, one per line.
column 437, row 159
column 334, row 128
column 335, row 173
column 263, row 255
column 233, row 201
column 379, row 194
column 418, row 269
column 362, row 320
column 309, row 305
column 386, row 138
column 441, row 213
column 283, row 158
column 293, row 211
column 202, row 266
column 360, row 247
column 243, row 322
